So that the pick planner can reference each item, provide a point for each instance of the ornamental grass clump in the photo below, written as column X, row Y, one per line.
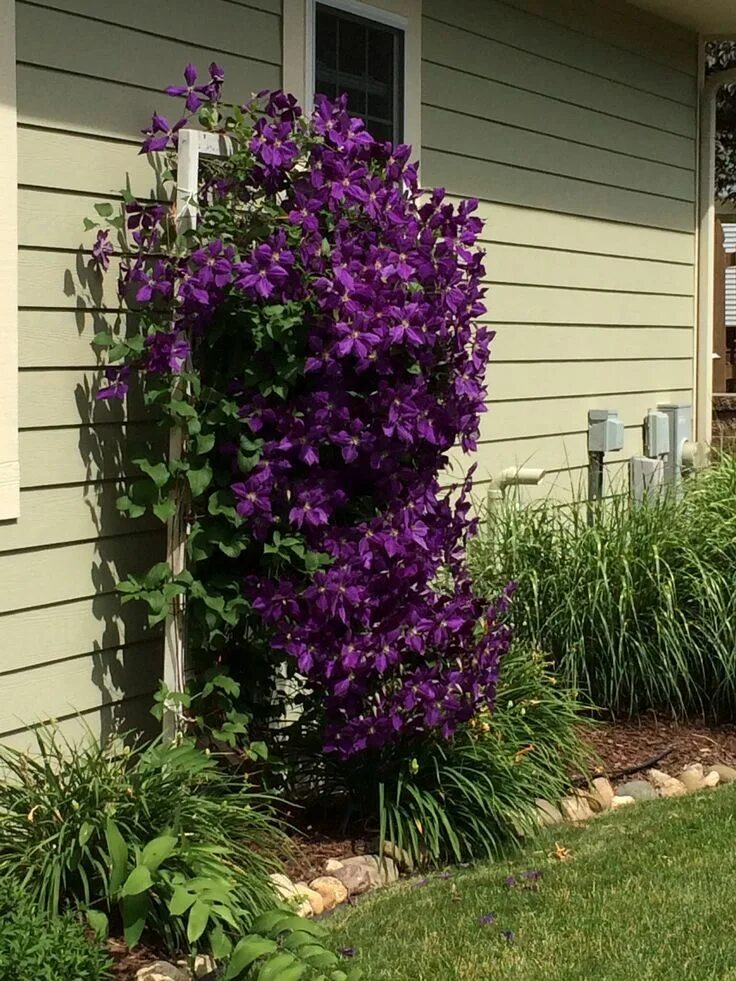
column 314, row 341
column 639, row 609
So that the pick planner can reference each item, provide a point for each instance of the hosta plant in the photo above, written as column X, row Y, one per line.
column 159, row 838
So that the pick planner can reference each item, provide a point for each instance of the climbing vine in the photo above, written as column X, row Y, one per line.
column 315, row 340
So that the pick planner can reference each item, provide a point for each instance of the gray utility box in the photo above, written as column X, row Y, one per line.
column 605, row 431
column 646, row 477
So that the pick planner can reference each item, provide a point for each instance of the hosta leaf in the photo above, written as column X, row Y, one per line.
column 134, row 910
column 180, row 901
column 118, row 852
column 276, row 966
column 157, row 851
column 138, row 881
column 248, row 950
column 199, row 914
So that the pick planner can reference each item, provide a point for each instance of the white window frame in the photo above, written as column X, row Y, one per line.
column 299, row 51
column 9, row 466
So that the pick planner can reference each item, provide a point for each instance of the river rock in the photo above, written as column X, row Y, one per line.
column 332, row 891
column 331, row 864
column 314, row 899
column 381, row 871
column 162, row 971
column 204, row 964
column 547, row 814
column 576, row 808
column 619, row 802
column 356, row 878
column 666, row 785
column 400, row 855
column 289, row 892
column 603, row 792
column 693, row 777
column 638, row 789
column 726, row 773
column 712, row 778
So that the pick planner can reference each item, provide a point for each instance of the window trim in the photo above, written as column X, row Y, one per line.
column 9, row 466
column 299, row 22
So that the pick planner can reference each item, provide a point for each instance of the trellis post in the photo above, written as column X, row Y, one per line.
column 192, row 145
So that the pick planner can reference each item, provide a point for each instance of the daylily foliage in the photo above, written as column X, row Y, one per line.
column 315, row 339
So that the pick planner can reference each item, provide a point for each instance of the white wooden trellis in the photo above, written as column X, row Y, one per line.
column 193, row 144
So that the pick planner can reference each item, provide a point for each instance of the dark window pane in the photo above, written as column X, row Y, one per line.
column 383, row 132
column 364, row 60
column 381, row 56
column 351, row 47
column 326, row 53
column 381, row 103
column 356, row 100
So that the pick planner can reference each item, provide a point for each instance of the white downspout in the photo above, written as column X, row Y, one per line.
column 706, row 253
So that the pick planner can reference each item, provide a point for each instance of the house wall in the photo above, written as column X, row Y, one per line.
column 575, row 124
column 575, row 129
column 87, row 83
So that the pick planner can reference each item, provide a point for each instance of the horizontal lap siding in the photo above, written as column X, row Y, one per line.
column 577, row 134
column 89, row 76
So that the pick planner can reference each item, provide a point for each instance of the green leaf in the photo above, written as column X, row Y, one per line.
column 275, row 921
column 204, row 443
column 134, row 910
column 199, row 914
column 118, row 852
column 89, row 224
column 102, row 339
column 199, row 480
column 85, row 833
column 183, row 409
column 157, row 851
column 248, row 950
column 165, row 510
column 276, row 966
column 158, row 472
column 138, row 881
column 220, row 944
column 98, row 922
column 104, row 209
column 124, row 503
column 180, row 901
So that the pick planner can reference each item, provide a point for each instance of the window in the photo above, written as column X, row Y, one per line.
column 9, row 475
column 365, row 60
column 370, row 50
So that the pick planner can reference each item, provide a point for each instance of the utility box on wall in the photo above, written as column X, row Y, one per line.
column 605, row 431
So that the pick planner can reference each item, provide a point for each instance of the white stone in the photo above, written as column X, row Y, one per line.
column 547, row 814
column 332, row 865
column 314, row 899
column 576, row 808
column 666, row 785
column 162, row 971
column 692, row 777
column 619, row 802
column 204, row 964
column 603, row 792
column 712, row 779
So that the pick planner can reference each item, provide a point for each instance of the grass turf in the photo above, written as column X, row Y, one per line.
column 645, row 893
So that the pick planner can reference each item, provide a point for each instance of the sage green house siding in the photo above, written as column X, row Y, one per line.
column 574, row 123
column 89, row 75
column 575, row 126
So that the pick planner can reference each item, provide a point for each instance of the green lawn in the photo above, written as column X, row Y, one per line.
column 648, row 892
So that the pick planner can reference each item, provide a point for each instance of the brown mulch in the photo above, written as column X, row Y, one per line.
column 126, row 963
column 632, row 742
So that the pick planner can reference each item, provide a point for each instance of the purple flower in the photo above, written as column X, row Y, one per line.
column 487, row 919
column 510, row 881
column 347, row 952
column 188, row 91
column 160, row 134
column 101, row 251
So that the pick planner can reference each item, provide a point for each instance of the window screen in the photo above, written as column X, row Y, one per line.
column 365, row 60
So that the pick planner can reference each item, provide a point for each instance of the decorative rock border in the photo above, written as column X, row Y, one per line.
column 602, row 796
